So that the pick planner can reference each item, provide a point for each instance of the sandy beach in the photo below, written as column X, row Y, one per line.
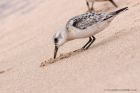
column 26, row 30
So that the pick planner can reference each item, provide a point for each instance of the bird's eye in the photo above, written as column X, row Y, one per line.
column 55, row 40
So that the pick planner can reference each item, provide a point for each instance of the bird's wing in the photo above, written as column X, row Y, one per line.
column 88, row 19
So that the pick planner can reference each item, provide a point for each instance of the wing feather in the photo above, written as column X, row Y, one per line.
column 88, row 19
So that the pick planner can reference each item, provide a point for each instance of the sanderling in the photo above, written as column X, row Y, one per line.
column 83, row 26
column 92, row 2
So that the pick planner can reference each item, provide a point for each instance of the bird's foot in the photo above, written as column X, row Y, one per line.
column 90, row 11
column 84, row 48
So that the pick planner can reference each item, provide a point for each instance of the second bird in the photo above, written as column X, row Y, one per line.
column 90, row 4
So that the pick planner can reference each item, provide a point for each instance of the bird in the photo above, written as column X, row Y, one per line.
column 86, row 25
column 90, row 8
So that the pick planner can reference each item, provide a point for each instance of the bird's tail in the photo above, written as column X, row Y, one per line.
column 119, row 11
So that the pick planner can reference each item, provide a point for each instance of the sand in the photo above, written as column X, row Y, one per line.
column 26, row 30
column 61, row 57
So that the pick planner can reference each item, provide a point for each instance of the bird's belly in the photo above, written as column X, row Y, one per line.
column 93, row 30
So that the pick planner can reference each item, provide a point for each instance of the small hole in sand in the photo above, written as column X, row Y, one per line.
column 61, row 57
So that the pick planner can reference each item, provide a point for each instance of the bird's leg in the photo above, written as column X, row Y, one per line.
column 113, row 3
column 93, row 39
column 88, row 5
column 92, row 9
column 90, row 39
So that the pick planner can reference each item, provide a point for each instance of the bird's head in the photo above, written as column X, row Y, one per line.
column 59, row 39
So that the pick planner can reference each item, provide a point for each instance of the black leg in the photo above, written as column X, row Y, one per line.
column 113, row 3
column 92, row 9
column 90, row 39
column 93, row 39
column 88, row 5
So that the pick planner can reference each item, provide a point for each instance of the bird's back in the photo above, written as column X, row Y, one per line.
column 86, row 20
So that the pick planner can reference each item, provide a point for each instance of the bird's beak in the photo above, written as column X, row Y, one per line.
column 55, row 51
column 113, row 3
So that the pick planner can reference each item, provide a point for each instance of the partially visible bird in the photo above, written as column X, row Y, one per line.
column 90, row 4
column 83, row 26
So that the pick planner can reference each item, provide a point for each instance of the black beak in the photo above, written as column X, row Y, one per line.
column 55, row 51
column 113, row 3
